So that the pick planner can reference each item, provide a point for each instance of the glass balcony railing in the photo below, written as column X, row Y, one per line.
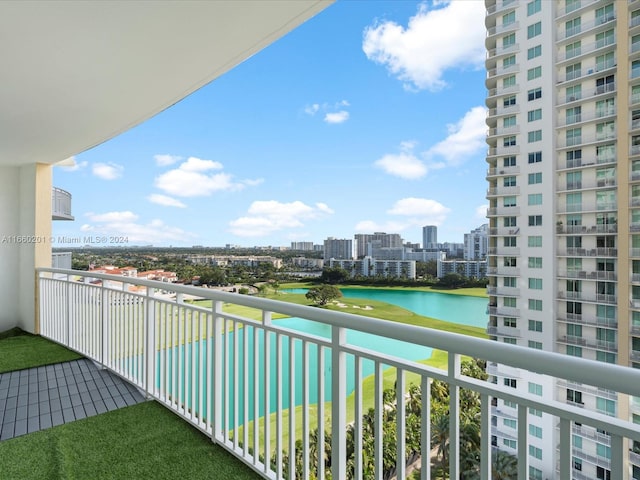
column 235, row 376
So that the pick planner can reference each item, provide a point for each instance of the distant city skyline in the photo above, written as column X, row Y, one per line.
column 352, row 123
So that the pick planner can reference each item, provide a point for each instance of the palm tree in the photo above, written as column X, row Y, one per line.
column 504, row 466
column 440, row 437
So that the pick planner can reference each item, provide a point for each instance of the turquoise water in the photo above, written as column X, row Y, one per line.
column 450, row 308
column 458, row 309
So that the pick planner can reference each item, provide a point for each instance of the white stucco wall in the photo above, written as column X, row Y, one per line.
column 25, row 227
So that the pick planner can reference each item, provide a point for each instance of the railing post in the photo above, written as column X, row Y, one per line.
column 218, row 374
column 454, row 417
column 67, row 325
column 150, row 342
column 339, row 403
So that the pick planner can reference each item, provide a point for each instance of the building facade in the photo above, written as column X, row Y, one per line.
column 467, row 268
column 371, row 267
column 563, row 80
column 429, row 236
column 340, row 248
column 476, row 243
column 367, row 241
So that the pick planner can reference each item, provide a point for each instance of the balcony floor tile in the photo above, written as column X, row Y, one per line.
column 42, row 397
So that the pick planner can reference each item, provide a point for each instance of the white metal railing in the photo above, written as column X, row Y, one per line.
column 228, row 374
column 60, row 204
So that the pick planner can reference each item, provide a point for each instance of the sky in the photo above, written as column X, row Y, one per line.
column 368, row 117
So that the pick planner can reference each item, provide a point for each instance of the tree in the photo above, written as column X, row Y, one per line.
column 323, row 294
column 452, row 280
column 334, row 275
column 504, row 466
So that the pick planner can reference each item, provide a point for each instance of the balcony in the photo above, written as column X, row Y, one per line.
column 200, row 363
column 60, row 204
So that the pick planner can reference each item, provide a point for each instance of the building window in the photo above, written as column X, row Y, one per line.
column 577, row 441
column 507, row 422
column 534, row 30
column 533, row 115
column 535, row 389
column 510, row 382
column 534, row 136
column 574, row 351
column 535, row 283
column 605, row 38
column 533, row 73
column 508, row 18
column 534, row 52
column 574, row 158
column 535, row 157
column 535, row 431
column 509, row 322
column 534, row 199
column 535, row 412
column 509, row 141
column 574, row 93
column 606, row 357
column 509, row 201
column 509, row 81
column 510, row 242
column 572, row 50
column 509, row 443
column 535, row 262
column 573, row 115
column 509, row 340
column 509, row 101
column 573, row 71
column 535, row 304
column 572, row 27
column 605, row 14
column 509, row 161
column 535, row 220
column 535, row 178
column 509, row 221
column 533, row 7
column 509, row 181
column 509, row 61
column 510, row 261
column 574, row 136
column 534, row 344
column 534, row 94
column 508, row 40
column 534, row 241
column 577, row 464
column 535, row 326
column 574, row 396
column 603, row 451
column 510, row 302
column 535, row 473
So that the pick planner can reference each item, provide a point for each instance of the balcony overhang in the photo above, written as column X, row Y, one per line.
column 76, row 74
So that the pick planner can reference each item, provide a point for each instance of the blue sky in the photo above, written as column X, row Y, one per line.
column 369, row 117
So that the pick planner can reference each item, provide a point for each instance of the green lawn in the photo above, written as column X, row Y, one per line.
column 19, row 350
column 143, row 441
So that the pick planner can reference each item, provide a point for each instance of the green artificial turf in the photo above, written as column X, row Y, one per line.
column 144, row 441
column 19, row 350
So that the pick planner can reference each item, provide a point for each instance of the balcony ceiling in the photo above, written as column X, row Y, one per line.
column 75, row 74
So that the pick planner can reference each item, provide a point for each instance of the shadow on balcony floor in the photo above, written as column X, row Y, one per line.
column 42, row 397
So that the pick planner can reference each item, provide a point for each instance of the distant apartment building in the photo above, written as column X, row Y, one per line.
column 251, row 261
column 452, row 249
column 340, row 248
column 466, row 268
column 304, row 246
column 308, row 263
column 476, row 243
column 429, row 236
column 366, row 241
column 371, row 267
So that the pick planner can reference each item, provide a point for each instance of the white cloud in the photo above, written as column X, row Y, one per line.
column 165, row 160
column 413, row 212
column 337, row 117
column 403, row 165
column 124, row 224
column 312, row 109
column 253, row 182
column 333, row 113
column 193, row 179
column 125, row 216
column 165, row 200
column 107, row 171
column 481, row 211
column 466, row 138
column 70, row 164
column 267, row 216
column 448, row 36
column 422, row 208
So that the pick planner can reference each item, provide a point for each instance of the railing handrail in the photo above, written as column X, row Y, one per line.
column 610, row 376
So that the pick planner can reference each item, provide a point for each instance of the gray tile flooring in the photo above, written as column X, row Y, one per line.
column 43, row 397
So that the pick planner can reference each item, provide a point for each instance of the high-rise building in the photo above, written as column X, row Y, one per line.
column 476, row 243
column 429, row 236
column 367, row 241
column 563, row 82
column 339, row 249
